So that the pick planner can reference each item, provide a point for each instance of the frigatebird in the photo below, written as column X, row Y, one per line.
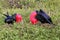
column 10, row 19
column 41, row 16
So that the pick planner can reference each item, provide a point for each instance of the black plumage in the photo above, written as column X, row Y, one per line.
column 9, row 19
column 14, row 17
column 43, row 17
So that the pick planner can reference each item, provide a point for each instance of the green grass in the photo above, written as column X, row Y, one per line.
column 27, row 31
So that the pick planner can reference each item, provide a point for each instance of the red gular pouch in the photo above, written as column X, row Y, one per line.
column 33, row 19
column 18, row 18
